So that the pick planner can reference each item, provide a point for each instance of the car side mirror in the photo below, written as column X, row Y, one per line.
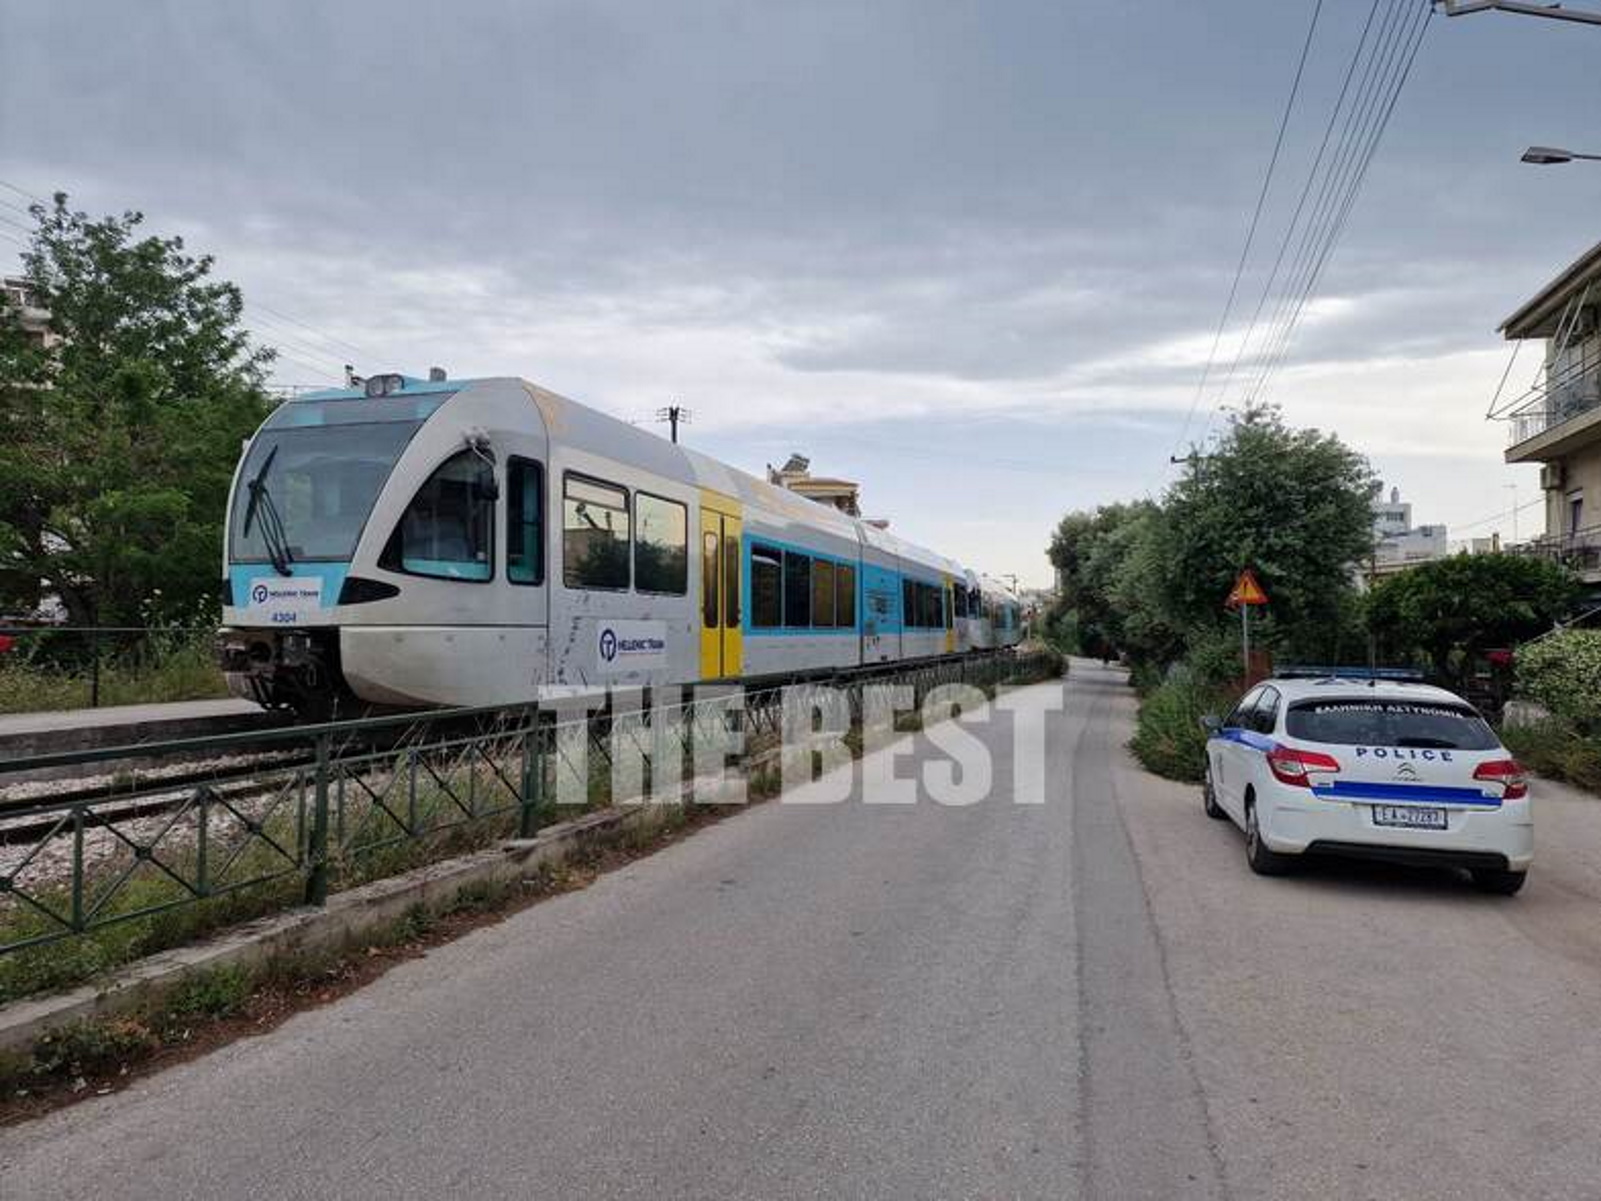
column 1211, row 723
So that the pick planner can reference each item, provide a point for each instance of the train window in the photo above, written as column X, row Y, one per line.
column 845, row 596
column 525, row 506
column 448, row 529
column 797, row 589
column 731, row 617
column 766, row 587
column 595, row 534
column 708, row 580
column 823, row 594
column 661, row 545
column 908, row 603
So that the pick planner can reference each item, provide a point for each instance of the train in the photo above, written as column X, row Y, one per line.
column 416, row 543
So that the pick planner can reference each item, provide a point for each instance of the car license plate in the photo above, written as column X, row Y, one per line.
column 1412, row 817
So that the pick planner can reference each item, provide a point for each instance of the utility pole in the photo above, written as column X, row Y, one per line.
column 674, row 415
column 1462, row 8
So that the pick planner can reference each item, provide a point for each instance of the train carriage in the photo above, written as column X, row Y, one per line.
column 436, row 542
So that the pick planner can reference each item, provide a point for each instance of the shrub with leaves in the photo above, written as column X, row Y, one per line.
column 1563, row 673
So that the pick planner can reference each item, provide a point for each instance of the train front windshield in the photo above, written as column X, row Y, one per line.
column 312, row 477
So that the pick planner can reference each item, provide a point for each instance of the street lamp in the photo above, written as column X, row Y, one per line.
column 1545, row 156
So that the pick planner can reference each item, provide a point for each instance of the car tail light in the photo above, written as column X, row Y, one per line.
column 1290, row 766
column 1507, row 773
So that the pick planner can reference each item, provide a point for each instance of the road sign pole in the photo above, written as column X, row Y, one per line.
column 1245, row 640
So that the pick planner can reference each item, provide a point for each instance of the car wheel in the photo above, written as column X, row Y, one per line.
column 1498, row 880
column 1209, row 798
column 1263, row 861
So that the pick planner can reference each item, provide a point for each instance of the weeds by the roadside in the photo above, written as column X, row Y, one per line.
column 1168, row 738
column 169, row 668
column 1554, row 749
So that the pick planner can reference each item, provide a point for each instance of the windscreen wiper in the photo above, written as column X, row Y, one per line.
column 272, row 526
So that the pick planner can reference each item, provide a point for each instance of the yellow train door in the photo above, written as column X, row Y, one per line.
column 950, row 617
column 721, row 588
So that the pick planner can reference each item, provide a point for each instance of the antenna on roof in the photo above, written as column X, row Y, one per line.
column 674, row 415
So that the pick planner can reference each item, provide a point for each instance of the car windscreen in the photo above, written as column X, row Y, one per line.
column 1377, row 722
column 320, row 482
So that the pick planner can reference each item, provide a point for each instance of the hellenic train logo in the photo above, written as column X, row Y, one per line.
column 258, row 594
column 608, row 644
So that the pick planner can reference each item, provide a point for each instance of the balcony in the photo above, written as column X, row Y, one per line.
column 1551, row 420
column 1579, row 551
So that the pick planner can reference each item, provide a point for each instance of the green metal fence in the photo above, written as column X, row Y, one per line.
column 248, row 822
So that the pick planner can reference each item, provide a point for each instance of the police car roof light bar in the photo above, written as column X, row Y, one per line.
column 1300, row 671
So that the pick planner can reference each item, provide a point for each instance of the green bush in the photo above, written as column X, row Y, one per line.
column 1554, row 749
column 217, row 993
column 1563, row 672
column 1168, row 737
column 92, row 1047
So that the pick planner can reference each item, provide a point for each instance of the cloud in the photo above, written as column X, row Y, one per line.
column 803, row 220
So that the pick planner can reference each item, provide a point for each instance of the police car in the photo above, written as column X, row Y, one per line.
column 1378, row 768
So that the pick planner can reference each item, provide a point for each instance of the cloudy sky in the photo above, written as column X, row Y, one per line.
column 972, row 254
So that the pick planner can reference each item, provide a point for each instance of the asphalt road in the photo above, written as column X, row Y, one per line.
column 1085, row 997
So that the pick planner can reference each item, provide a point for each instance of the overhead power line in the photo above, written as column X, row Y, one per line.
column 1300, row 203
column 1353, row 190
column 1337, row 177
column 23, row 192
column 1380, row 63
column 1256, row 216
column 1473, row 525
column 326, row 337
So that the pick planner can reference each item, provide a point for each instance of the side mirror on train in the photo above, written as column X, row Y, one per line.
column 1211, row 723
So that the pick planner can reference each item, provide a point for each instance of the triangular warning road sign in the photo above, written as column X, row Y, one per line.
column 1247, row 591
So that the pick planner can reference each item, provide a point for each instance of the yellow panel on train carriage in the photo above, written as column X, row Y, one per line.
column 721, row 587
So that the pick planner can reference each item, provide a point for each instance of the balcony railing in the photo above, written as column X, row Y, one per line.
column 1551, row 407
column 1579, row 550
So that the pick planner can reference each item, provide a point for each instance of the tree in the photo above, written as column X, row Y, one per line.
column 119, row 432
column 1293, row 505
column 1453, row 610
column 1096, row 556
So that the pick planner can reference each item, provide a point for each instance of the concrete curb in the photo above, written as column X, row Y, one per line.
column 347, row 917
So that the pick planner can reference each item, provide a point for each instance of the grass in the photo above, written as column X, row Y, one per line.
column 1168, row 737
column 168, row 668
column 371, row 852
column 212, row 1006
column 1554, row 749
column 370, row 855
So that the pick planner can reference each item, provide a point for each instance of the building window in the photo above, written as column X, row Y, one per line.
column 525, row 511
column 595, row 534
column 766, row 587
column 448, row 529
column 661, row 545
column 797, row 589
column 823, row 594
column 845, row 596
column 1575, row 512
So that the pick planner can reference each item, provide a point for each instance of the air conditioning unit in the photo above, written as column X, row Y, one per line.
column 1551, row 476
